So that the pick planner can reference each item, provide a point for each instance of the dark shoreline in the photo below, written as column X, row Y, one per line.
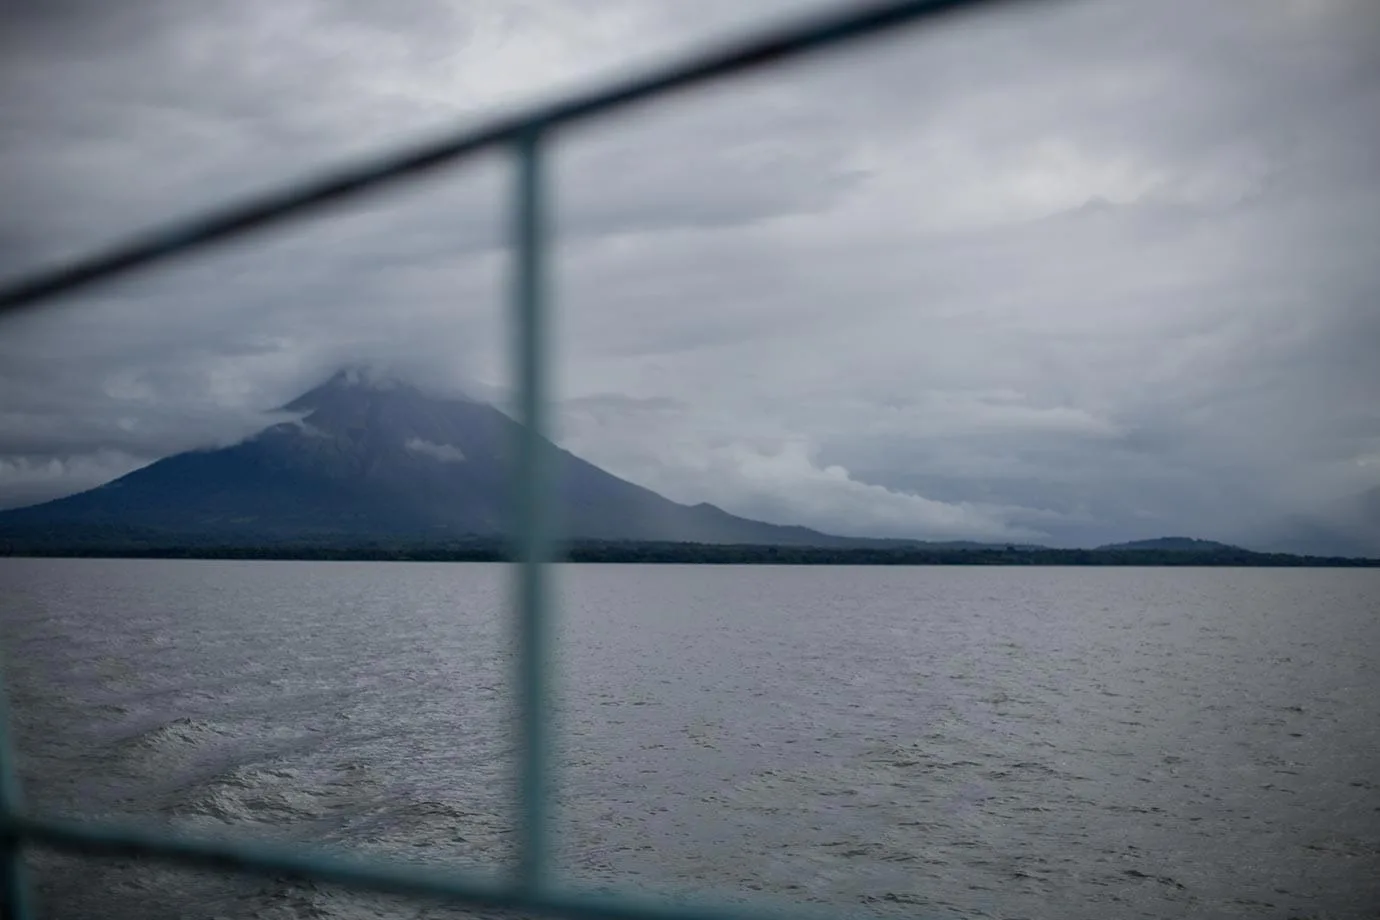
column 675, row 553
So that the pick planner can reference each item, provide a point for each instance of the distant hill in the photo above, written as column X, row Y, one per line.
column 1174, row 544
column 371, row 459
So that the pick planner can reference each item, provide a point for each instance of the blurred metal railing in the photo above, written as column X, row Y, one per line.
column 531, row 888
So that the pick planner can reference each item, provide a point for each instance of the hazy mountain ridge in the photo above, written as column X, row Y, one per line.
column 1347, row 526
column 367, row 458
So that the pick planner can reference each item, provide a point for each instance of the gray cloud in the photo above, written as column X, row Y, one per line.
column 1095, row 271
column 442, row 453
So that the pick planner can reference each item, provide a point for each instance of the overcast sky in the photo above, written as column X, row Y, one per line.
column 1097, row 271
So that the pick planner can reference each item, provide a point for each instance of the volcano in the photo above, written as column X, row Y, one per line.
column 370, row 458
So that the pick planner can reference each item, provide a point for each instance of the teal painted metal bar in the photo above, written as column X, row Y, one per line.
column 533, row 505
column 299, row 863
column 14, row 884
column 770, row 47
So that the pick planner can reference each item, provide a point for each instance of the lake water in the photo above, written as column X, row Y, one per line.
column 919, row 742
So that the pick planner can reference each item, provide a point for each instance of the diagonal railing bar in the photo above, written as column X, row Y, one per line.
column 773, row 46
column 297, row 863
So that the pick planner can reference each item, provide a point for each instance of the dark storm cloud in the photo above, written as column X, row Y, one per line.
column 1092, row 271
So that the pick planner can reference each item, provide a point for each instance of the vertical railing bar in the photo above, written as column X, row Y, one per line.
column 14, row 883
column 533, row 508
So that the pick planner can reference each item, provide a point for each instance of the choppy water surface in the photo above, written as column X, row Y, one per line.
column 932, row 742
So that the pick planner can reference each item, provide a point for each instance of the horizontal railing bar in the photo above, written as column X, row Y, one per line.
column 254, row 858
column 235, row 220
